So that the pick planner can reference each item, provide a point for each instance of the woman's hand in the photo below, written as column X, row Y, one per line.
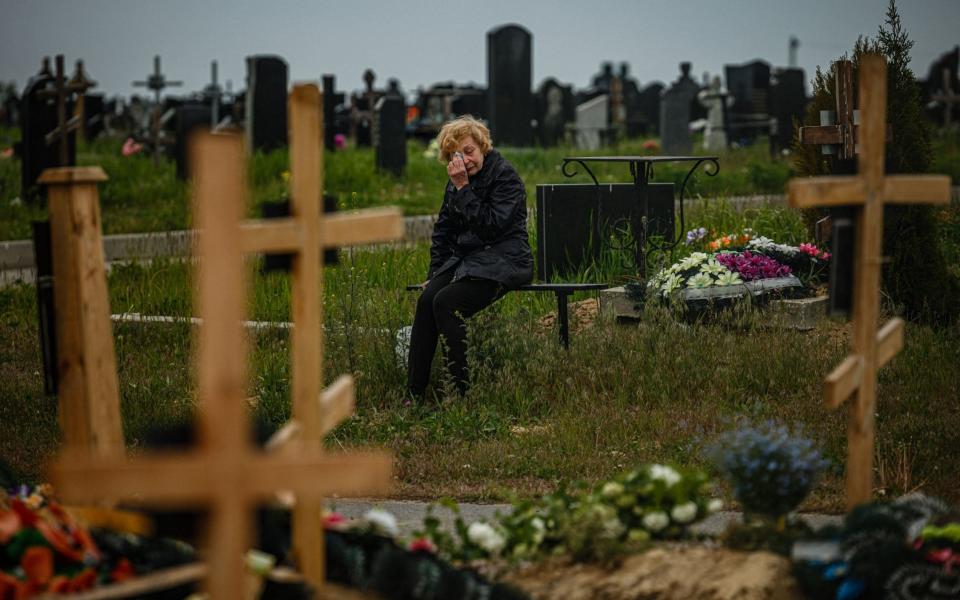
column 457, row 171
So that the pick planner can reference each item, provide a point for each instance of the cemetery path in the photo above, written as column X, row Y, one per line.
column 410, row 514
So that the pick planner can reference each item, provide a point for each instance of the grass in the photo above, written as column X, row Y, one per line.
column 659, row 390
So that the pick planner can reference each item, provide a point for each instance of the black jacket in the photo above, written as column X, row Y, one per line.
column 482, row 228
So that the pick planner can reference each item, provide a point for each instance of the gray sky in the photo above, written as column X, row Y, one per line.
column 425, row 41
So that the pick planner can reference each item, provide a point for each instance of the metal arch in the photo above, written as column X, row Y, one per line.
column 568, row 161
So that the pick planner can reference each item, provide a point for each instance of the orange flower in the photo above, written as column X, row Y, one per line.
column 84, row 580
column 37, row 564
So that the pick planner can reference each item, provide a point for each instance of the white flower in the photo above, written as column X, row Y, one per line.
column 729, row 278
column 712, row 267
column 612, row 528
column 715, row 505
column 485, row 536
column 700, row 280
column 671, row 284
column 382, row 521
column 538, row 529
column 665, row 474
column 656, row 521
column 694, row 260
column 611, row 489
column 684, row 513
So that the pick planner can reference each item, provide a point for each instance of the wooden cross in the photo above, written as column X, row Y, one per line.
column 868, row 191
column 948, row 98
column 845, row 135
column 62, row 90
column 225, row 471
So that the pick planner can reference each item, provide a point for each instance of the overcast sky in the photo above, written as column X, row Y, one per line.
column 425, row 41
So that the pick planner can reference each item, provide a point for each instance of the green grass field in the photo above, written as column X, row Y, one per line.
column 658, row 390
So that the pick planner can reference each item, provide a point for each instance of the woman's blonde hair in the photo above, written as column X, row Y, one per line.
column 453, row 132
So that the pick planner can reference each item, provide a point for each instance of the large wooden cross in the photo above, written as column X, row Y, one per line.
column 62, row 91
column 226, row 472
column 868, row 191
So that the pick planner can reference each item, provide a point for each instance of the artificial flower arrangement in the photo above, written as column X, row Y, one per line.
column 739, row 259
column 44, row 550
column 909, row 548
column 586, row 522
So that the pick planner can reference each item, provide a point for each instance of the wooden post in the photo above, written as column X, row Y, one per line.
column 89, row 396
column 226, row 472
column 868, row 190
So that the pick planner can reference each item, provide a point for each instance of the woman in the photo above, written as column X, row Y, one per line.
column 479, row 249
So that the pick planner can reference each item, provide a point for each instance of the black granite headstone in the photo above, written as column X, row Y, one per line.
column 266, row 104
column 575, row 221
column 675, row 114
column 509, row 81
column 331, row 99
column 38, row 117
column 390, row 134
column 749, row 84
column 190, row 118
column 648, row 109
column 555, row 109
column 788, row 101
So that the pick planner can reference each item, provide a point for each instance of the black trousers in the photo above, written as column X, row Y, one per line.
column 441, row 310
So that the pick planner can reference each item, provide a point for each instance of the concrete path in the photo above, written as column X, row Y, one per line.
column 410, row 514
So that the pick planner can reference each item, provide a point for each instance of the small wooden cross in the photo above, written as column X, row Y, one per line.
column 845, row 135
column 948, row 98
column 157, row 82
column 226, row 472
column 868, row 191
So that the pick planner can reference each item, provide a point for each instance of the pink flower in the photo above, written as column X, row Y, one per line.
column 334, row 520
column 340, row 141
column 651, row 145
column 131, row 147
column 422, row 544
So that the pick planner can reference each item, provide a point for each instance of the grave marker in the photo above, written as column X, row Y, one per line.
column 948, row 98
column 266, row 103
column 509, row 82
column 157, row 82
column 867, row 192
column 675, row 114
column 390, row 132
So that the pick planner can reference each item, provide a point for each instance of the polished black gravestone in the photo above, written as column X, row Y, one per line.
column 509, row 80
column 577, row 222
column 788, row 102
column 389, row 134
column 93, row 116
column 675, row 114
column 749, row 84
column 266, row 103
column 331, row 100
column 648, row 109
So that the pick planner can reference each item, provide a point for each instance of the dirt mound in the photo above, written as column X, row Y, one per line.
column 679, row 572
column 582, row 314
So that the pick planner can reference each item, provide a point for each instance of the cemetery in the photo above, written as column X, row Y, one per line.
column 735, row 372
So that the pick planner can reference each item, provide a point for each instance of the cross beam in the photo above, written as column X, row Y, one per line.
column 856, row 376
column 225, row 472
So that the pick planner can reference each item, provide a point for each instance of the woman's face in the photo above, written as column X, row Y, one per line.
column 472, row 158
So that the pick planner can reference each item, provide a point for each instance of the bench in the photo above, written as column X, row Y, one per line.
column 562, row 292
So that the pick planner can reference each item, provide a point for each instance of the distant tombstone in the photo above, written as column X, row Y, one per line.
column 554, row 110
column 331, row 100
column 389, row 133
column 190, row 118
column 593, row 118
column 266, row 104
column 749, row 115
column 575, row 222
column 648, row 109
column 634, row 119
column 675, row 113
column 38, row 117
column 716, row 100
column 509, row 80
column 788, row 102
column 469, row 100
column 9, row 106
column 93, row 116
